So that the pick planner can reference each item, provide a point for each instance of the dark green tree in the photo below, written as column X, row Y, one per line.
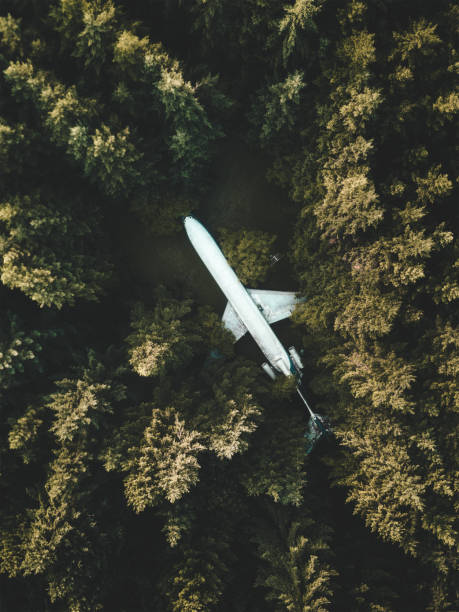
column 293, row 552
column 39, row 248
column 248, row 253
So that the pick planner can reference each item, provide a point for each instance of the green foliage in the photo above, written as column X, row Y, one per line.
column 98, row 21
column 191, row 131
column 161, row 339
column 215, row 411
column 68, row 515
column 297, row 17
column 275, row 463
column 129, row 50
column 276, row 107
column 420, row 39
column 107, row 156
column 19, row 350
column 293, row 557
column 350, row 203
column 11, row 139
column 165, row 465
column 110, row 155
column 196, row 585
column 80, row 403
column 60, row 106
column 39, row 247
column 369, row 294
column 229, row 412
column 248, row 253
column 10, row 33
column 24, row 433
column 161, row 213
column 168, row 474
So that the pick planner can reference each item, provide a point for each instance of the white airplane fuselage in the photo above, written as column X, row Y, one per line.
column 239, row 298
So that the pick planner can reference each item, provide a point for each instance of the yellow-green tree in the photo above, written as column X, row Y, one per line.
column 248, row 252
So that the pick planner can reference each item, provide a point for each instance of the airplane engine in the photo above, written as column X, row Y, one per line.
column 295, row 358
column 269, row 370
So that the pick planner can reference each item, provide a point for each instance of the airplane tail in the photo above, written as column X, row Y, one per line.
column 318, row 426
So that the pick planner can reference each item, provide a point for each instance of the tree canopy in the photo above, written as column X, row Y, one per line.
column 146, row 462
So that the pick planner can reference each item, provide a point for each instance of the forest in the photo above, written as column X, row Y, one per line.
column 138, row 473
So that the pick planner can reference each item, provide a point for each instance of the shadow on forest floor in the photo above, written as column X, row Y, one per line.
column 239, row 197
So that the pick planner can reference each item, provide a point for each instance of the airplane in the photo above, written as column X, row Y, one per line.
column 253, row 310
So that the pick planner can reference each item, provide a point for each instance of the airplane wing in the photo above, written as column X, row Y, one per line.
column 232, row 322
column 274, row 305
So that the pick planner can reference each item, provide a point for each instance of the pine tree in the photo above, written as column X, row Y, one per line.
column 293, row 560
column 161, row 339
column 69, row 533
column 165, row 465
column 276, row 107
column 376, row 230
column 298, row 17
column 248, row 253
column 39, row 247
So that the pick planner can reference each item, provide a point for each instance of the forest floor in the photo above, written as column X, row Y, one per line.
column 239, row 197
